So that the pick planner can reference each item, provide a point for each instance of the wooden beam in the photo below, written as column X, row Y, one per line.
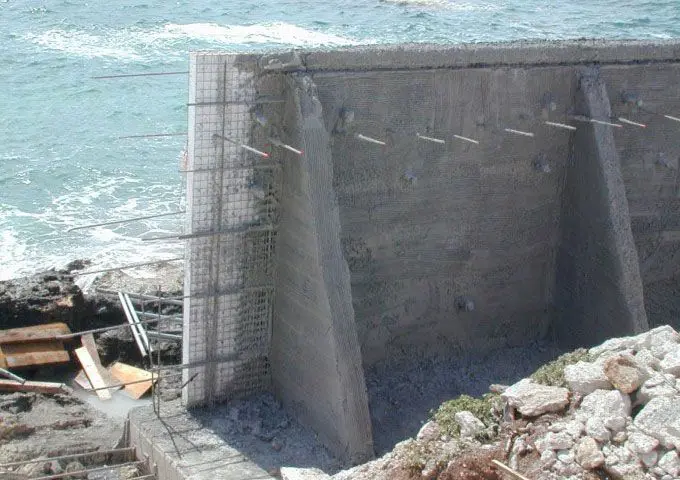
column 32, row 334
column 93, row 373
column 30, row 386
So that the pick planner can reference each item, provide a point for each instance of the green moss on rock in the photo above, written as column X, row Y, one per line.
column 485, row 408
column 552, row 374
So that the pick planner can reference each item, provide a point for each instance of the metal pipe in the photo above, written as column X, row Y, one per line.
column 519, row 132
column 8, row 374
column 135, row 219
column 164, row 336
column 138, row 325
column 132, row 265
column 67, row 457
column 130, row 320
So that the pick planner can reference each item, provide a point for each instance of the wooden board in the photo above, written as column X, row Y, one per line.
column 88, row 342
column 33, row 353
column 28, row 386
column 31, row 334
column 127, row 373
column 92, row 373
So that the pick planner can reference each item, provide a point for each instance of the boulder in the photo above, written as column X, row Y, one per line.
column 532, row 399
column 660, row 419
column 588, row 454
column 623, row 373
column 470, row 426
column 586, row 377
column 290, row 473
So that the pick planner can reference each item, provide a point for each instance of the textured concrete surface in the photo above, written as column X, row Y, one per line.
column 598, row 278
column 315, row 354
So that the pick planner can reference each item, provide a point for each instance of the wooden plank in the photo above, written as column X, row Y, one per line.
column 88, row 342
column 92, row 373
column 31, row 334
column 34, row 353
column 127, row 373
column 82, row 381
column 29, row 386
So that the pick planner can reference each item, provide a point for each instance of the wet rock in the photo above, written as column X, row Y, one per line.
column 623, row 373
column 587, row 454
column 532, row 399
column 586, row 377
column 470, row 426
column 660, row 419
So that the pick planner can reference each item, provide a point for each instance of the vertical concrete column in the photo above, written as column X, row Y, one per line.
column 599, row 290
column 316, row 360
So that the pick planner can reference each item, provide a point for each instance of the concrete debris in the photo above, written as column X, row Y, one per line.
column 660, row 418
column 290, row 473
column 532, row 399
column 588, row 454
column 586, row 377
column 671, row 361
column 470, row 426
column 670, row 463
column 624, row 373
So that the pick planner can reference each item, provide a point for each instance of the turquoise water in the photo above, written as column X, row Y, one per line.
column 62, row 163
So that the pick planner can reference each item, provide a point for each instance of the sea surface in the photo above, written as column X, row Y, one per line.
column 62, row 161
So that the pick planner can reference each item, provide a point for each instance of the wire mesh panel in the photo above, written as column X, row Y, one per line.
column 231, row 204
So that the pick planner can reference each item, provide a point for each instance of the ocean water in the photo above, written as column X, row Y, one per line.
column 62, row 163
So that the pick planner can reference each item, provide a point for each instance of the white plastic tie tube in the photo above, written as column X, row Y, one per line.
column 255, row 150
column 609, row 124
column 370, row 140
column 630, row 122
column 466, row 139
column 430, row 139
column 519, row 132
column 561, row 125
column 670, row 117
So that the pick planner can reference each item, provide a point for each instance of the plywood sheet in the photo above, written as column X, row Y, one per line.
column 33, row 353
column 127, row 373
column 31, row 334
column 92, row 373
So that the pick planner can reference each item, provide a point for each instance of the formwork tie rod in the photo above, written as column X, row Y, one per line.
column 561, row 125
column 519, row 132
column 370, row 140
column 431, row 139
column 127, row 220
column 466, row 139
column 630, row 122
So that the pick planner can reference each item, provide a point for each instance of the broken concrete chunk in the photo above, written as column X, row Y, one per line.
column 660, row 419
column 290, row 473
column 670, row 463
column 555, row 441
column 624, row 373
column 661, row 340
column 470, row 426
column 640, row 443
column 586, row 377
column 588, row 454
column 532, row 399
column 647, row 361
column 615, row 345
column 429, row 431
column 595, row 428
column 671, row 362
column 605, row 404
column 658, row 385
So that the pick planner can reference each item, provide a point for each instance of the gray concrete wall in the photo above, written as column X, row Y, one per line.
column 316, row 361
column 599, row 290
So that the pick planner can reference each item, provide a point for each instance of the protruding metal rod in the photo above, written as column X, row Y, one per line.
column 370, row 140
column 561, row 125
column 255, row 151
column 124, row 267
column 133, row 323
column 630, row 122
column 430, row 139
column 127, row 220
column 152, row 135
column 152, row 74
column 466, row 139
column 609, row 124
column 670, row 117
column 519, row 132
column 287, row 147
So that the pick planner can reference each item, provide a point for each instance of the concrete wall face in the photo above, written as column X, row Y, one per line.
column 365, row 250
column 424, row 223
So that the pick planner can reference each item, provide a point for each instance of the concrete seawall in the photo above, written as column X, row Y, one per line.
column 440, row 243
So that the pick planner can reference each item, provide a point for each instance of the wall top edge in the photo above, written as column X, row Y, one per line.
column 479, row 55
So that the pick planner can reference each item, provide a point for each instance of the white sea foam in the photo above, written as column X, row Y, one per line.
column 137, row 44
column 447, row 4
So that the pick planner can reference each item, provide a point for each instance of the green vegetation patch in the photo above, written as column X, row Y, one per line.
column 552, row 374
column 486, row 408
